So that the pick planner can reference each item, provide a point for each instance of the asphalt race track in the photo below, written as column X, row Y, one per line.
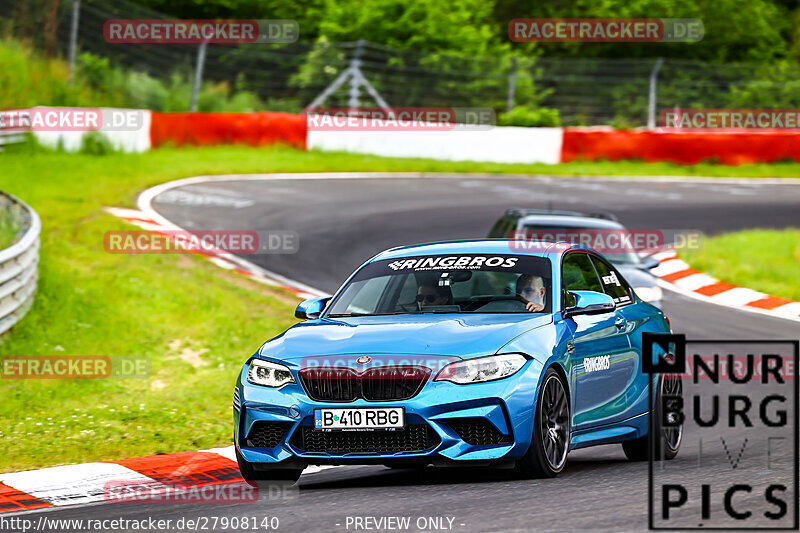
column 342, row 222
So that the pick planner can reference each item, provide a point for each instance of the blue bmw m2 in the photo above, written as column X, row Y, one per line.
column 457, row 353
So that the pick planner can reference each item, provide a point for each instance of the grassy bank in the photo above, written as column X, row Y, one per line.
column 195, row 322
column 765, row 260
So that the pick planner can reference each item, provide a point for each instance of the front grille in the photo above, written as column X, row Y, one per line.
column 267, row 434
column 393, row 382
column 414, row 438
column 379, row 384
column 478, row 432
column 330, row 384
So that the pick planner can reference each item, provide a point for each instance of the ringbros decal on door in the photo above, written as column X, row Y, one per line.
column 593, row 364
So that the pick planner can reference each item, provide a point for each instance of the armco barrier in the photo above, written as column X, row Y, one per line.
column 686, row 147
column 18, row 263
column 256, row 129
column 9, row 137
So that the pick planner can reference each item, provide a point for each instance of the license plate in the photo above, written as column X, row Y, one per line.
column 360, row 418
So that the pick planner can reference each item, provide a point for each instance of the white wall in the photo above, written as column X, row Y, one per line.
column 498, row 144
column 126, row 141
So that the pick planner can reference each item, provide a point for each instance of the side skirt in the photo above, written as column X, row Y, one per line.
column 628, row 429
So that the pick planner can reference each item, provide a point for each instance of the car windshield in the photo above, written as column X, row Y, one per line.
column 464, row 283
column 610, row 242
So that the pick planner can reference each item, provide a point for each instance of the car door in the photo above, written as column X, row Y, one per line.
column 598, row 353
column 629, row 320
column 638, row 318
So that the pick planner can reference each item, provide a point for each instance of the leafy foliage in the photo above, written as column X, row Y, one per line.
column 442, row 53
column 524, row 116
column 27, row 80
column 735, row 30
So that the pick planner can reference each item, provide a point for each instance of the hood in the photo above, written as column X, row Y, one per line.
column 462, row 335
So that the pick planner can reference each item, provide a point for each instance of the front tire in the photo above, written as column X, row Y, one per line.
column 278, row 475
column 667, row 440
column 547, row 454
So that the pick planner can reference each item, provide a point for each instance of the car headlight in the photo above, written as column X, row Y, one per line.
column 268, row 374
column 482, row 369
column 649, row 294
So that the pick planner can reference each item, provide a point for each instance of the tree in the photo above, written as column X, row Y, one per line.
column 735, row 30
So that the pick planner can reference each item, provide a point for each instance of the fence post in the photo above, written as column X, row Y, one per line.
column 198, row 74
column 512, row 84
column 355, row 67
column 651, row 107
column 73, row 38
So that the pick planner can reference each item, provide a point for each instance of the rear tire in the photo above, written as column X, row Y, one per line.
column 547, row 454
column 277, row 475
column 668, row 440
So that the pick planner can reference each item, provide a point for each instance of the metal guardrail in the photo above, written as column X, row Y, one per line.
column 19, row 263
column 10, row 137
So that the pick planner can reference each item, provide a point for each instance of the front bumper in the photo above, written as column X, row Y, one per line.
column 477, row 423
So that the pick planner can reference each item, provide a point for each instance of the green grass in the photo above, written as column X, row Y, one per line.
column 765, row 260
column 159, row 306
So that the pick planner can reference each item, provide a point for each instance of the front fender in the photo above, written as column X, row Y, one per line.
column 547, row 345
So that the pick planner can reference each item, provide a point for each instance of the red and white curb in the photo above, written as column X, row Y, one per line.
column 679, row 276
column 89, row 483
column 218, row 257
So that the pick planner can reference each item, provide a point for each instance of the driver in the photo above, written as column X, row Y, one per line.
column 531, row 290
column 430, row 294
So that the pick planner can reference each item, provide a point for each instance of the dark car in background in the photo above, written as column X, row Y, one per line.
column 534, row 223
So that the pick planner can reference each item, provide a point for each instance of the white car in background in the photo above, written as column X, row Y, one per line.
column 537, row 222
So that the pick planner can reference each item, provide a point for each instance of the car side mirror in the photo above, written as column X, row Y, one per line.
column 311, row 308
column 649, row 262
column 589, row 303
